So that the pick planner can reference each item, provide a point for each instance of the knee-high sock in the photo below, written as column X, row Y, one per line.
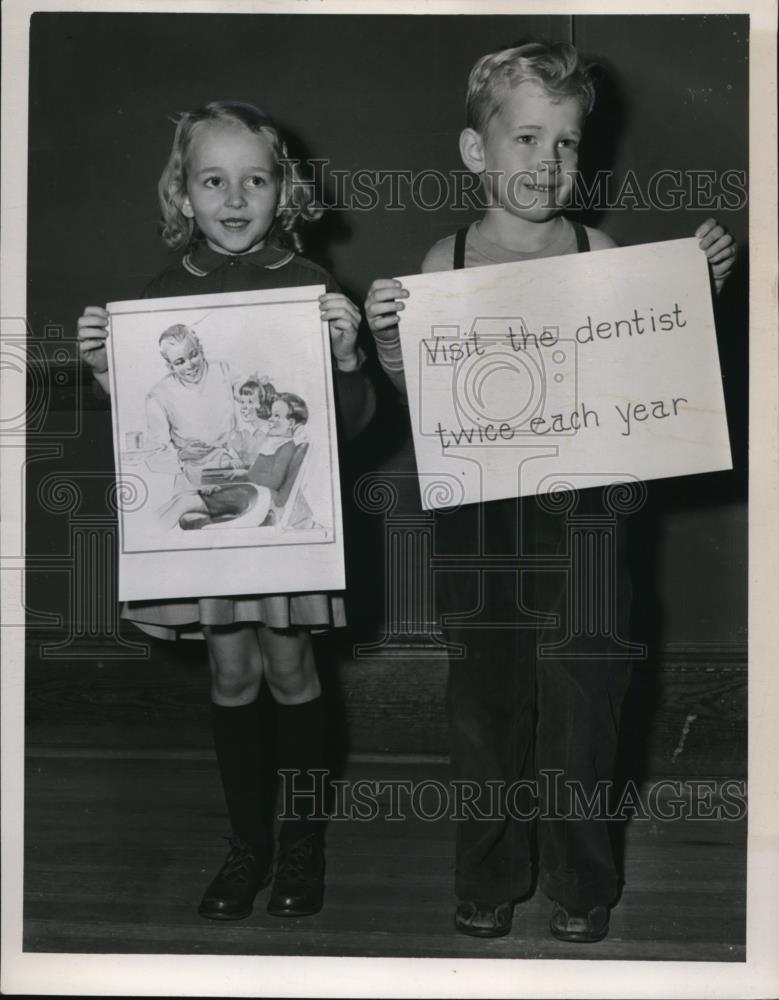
column 301, row 731
column 237, row 743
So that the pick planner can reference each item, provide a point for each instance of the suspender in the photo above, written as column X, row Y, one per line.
column 459, row 248
column 458, row 262
column 582, row 239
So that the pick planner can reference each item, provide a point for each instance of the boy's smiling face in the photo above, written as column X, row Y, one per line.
column 528, row 152
column 281, row 423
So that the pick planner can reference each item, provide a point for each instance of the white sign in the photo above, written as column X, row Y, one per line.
column 225, row 445
column 562, row 373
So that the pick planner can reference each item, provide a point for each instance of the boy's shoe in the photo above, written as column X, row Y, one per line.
column 569, row 925
column 231, row 894
column 299, row 883
column 484, row 920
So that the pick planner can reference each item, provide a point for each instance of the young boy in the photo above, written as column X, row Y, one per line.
column 516, row 716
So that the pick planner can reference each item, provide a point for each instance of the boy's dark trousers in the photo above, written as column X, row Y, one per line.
column 524, row 720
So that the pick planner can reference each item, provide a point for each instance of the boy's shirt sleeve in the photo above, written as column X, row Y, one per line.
column 438, row 258
column 391, row 358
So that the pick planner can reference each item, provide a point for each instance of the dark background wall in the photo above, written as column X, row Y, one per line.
column 374, row 93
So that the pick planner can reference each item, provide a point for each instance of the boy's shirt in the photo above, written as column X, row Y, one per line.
column 478, row 253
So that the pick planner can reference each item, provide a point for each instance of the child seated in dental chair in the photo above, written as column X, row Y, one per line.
column 255, row 496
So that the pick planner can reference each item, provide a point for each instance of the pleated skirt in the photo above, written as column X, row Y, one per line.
column 182, row 619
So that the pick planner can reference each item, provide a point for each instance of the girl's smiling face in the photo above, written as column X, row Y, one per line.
column 249, row 402
column 233, row 186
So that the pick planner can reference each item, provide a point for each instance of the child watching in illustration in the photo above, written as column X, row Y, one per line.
column 255, row 397
column 513, row 718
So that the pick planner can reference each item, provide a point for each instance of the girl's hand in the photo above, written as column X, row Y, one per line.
column 92, row 333
column 344, row 319
column 720, row 249
column 383, row 304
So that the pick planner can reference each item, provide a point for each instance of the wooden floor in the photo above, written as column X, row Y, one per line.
column 119, row 848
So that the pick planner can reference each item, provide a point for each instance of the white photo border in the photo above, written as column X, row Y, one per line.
column 69, row 974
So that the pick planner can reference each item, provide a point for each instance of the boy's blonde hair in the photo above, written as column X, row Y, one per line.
column 296, row 199
column 556, row 66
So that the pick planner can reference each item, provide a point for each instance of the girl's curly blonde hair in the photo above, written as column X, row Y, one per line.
column 296, row 200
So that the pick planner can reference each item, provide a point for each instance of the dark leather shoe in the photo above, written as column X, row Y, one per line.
column 231, row 894
column 484, row 920
column 299, row 883
column 569, row 925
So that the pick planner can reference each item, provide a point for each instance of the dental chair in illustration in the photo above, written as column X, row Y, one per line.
column 237, row 503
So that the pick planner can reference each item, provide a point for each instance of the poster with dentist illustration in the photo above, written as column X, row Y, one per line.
column 225, row 445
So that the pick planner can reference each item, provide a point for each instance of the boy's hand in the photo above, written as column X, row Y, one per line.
column 720, row 249
column 92, row 333
column 383, row 304
column 344, row 319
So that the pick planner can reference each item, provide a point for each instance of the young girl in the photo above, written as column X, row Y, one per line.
column 255, row 398
column 233, row 202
